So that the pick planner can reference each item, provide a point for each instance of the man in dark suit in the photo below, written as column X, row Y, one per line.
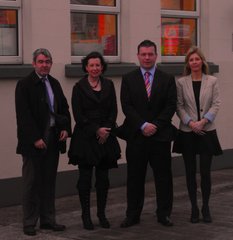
column 148, row 99
column 43, row 125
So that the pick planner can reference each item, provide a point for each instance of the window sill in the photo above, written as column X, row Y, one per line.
column 15, row 71
column 118, row 69
column 114, row 70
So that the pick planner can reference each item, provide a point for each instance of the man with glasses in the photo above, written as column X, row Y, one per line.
column 43, row 125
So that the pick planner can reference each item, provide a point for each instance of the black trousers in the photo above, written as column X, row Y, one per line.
column 190, row 161
column 158, row 155
column 85, row 178
column 39, row 181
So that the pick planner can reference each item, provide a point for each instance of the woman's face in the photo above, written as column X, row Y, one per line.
column 195, row 63
column 94, row 67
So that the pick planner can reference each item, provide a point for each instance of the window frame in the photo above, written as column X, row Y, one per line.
column 98, row 10
column 13, row 5
column 182, row 14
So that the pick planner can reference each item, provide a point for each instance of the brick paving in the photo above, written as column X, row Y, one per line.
column 69, row 212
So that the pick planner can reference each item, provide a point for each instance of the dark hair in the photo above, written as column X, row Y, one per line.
column 94, row 55
column 192, row 50
column 43, row 51
column 147, row 43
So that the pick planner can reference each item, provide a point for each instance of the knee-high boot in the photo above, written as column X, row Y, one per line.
column 205, row 207
column 206, row 186
column 192, row 191
column 84, row 196
column 101, row 205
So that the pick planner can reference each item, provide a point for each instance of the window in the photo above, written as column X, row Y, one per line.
column 179, row 25
column 95, row 27
column 10, row 51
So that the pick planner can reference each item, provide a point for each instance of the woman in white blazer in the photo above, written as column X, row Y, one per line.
column 198, row 102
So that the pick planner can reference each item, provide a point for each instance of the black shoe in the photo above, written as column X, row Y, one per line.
column 165, row 221
column 55, row 227
column 206, row 215
column 29, row 230
column 194, row 215
column 128, row 222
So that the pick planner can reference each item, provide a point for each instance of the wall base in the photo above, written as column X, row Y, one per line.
column 66, row 181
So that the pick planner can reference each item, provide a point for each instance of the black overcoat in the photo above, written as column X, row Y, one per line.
column 91, row 113
column 32, row 113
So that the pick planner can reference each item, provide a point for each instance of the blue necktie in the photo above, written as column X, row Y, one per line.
column 50, row 99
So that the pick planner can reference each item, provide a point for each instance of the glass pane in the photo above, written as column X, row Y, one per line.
column 94, row 2
column 178, row 35
column 93, row 32
column 8, row 32
column 185, row 5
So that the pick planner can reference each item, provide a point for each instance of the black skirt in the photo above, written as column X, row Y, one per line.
column 86, row 151
column 197, row 144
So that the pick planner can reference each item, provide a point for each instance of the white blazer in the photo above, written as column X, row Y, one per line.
column 186, row 104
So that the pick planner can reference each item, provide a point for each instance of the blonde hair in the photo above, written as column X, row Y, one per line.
column 192, row 50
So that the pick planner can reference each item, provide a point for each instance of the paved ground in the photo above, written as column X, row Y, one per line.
column 68, row 212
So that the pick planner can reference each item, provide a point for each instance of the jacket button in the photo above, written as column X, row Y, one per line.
column 201, row 110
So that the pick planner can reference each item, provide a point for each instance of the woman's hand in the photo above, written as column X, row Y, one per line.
column 198, row 126
column 102, row 134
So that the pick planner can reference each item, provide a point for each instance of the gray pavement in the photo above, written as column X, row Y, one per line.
column 69, row 212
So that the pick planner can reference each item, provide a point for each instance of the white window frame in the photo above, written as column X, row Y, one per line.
column 15, row 5
column 182, row 14
column 100, row 9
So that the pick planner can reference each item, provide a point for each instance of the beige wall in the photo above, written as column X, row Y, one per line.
column 47, row 24
column 217, row 43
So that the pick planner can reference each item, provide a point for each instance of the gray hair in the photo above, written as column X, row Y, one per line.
column 43, row 51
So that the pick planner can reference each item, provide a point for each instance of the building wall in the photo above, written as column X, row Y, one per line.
column 47, row 24
column 217, row 42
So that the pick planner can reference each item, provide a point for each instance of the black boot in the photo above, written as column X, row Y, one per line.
column 206, row 214
column 84, row 196
column 195, row 210
column 194, row 215
column 101, row 204
column 206, row 188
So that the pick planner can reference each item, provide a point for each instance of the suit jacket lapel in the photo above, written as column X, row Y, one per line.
column 204, row 83
column 155, row 85
column 42, row 88
column 189, row 87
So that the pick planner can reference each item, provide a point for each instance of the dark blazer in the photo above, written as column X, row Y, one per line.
column 91, row 113
column 138, row 109
column 32, row 112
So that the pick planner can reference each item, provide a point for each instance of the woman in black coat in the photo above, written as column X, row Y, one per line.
column 92, row 144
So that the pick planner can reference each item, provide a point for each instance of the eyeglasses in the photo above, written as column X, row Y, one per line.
column 46, row 62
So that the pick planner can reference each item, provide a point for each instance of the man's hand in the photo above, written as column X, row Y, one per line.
column 63, row 135
column 40, row 144
column 149, row 130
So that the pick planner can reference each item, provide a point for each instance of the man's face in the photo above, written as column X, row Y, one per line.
column 42, row 65
column 147, row 57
